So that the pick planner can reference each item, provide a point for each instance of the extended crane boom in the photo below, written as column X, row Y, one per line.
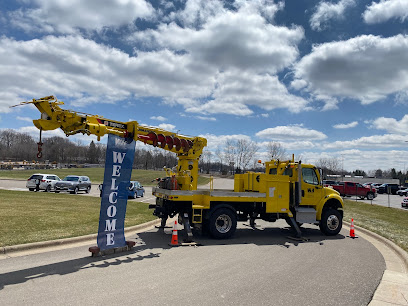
column 188, row 149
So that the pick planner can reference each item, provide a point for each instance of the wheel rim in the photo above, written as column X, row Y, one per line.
column 332, row 222
column 370, row 196
column 223, row 223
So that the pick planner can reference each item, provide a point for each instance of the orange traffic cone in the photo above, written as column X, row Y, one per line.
column 174, row 236
column 352, row 233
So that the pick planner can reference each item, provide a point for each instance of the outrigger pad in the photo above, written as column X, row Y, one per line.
column 301, row 239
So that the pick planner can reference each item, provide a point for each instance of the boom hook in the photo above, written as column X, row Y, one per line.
column 39, row 144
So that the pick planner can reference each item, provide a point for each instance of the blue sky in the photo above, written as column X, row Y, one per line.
column 326, row 79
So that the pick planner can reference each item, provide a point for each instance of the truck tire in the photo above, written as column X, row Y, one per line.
column 370, row 195
column 222, row 223
column 331, row 222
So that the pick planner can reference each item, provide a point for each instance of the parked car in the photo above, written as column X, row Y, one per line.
column 404, row 203
column 355, row 189
column 388, row 188
column 403, row 192
column 135, row 190
column 327, row 183
column 45, row 182
column 74, row 184
column 376, row 185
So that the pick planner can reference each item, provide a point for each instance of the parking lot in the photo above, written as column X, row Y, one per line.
column 383, row 200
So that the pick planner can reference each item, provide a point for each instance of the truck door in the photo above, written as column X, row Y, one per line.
column 312, row 190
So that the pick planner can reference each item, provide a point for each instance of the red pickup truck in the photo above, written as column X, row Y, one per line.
column 354, row 189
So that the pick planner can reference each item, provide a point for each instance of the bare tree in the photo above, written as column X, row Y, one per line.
column 275, row 150
column 220, row 156
column 230, row 153
column 206, row 160
column 246, row 150
column 329, row 165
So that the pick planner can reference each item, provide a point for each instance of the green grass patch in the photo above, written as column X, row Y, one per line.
column 145, row 177
column 390, row 223
column 38, row 216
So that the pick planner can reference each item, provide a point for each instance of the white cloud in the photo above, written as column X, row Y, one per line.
column 35, row 133
column 87, row 72
column 158, row 118
column 167, row 127
column 215, row 141
column 327, row 11
column 292, row 132
column 237, row 91
column 206, row 118
column 67, row 16
column 352, row 159
column 27, row 119
column 392, row 125
column 351, row 68
column 227, row 65
column 385, row 10
column 369, row 142
column 230, row 39
column 346, row 125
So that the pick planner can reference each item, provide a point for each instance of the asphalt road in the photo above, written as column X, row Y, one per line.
column 255, row 267
column 383, row 200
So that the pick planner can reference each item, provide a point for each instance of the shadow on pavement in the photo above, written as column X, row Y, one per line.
column 151, row 245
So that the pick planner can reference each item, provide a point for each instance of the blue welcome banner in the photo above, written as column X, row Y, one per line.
column 118, row 170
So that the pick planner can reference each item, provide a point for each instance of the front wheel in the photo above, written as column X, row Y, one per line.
column 331, row 222
column 75, row 191
column 370, row 196
column 48, row 189
column 88, row 189
column 222, row 223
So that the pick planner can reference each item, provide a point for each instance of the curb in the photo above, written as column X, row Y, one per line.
column 398, row 250
column 67, row 241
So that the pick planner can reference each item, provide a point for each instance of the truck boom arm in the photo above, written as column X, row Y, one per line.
column 188, row 149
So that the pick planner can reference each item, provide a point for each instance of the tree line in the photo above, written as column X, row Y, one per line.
column 15, row 147
column 235, row 156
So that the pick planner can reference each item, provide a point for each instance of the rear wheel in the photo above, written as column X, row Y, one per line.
column 31, row 189
column 222, row 223
column 331, row 222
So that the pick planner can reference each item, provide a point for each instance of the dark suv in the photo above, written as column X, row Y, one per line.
column 73, row 184
column 388, row 188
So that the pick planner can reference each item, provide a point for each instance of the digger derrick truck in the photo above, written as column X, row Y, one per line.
column 287, row 190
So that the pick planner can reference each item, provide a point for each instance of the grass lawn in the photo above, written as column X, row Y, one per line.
column 145, row 177
column 39, row 216
column 390, row 223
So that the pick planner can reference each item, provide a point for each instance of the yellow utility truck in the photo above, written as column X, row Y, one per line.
column 287, row 190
